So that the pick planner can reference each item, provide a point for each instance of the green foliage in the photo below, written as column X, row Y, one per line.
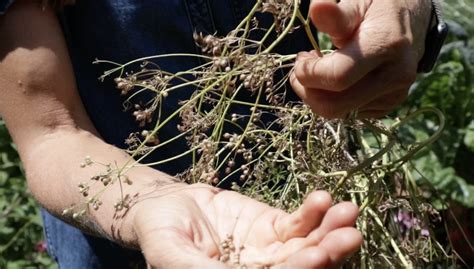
column 21, row 240
column 447, row 164
column 461, row 11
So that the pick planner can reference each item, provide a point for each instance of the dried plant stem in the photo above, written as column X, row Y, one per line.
column 394, row 245
column 296, row 4
column 309, row 33
column 279, row 150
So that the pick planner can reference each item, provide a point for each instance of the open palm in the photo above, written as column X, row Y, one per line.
column 196, row 226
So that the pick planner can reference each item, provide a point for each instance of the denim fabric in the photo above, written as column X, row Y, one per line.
column 72, row 249
column 123, row 30
column 4, row 4
column 120, row 31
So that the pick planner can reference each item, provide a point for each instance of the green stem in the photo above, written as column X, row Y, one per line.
column 267, row 34
column 432, row 139
column 237, row 144
column 17, row 234
column 296, row 4
column 309, row 33
column 394, row 245
column 121, row 66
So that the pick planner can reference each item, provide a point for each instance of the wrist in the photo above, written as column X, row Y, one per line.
column 122, row 202
column 420, row 11
column 435, row 35
column 128, row 223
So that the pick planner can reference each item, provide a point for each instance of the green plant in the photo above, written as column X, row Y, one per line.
column 21, row 240
column 279, row 151
column 447, row 163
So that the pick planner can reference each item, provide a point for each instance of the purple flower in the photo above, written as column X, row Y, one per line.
column 425, row 232
column 406, row 221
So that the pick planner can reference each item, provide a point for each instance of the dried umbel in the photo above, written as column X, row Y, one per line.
column 282, row 11
column 240, row 128
column 210, row 44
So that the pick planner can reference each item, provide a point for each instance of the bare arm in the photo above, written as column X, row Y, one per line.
column 42, row 109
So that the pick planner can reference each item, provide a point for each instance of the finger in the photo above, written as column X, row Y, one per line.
column 338, row 20
column 168, row 248
column 339, row 216
column 336, row 71
column 372, row 114
column 306, row 218
column 312, row 257
column 387, row 102
column 382, row 105
column 330, row 104
column 340, row 244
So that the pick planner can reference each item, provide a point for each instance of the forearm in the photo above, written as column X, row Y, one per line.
column 45, row 116
column 54, row 172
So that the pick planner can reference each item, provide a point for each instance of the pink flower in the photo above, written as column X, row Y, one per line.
column 41, row 246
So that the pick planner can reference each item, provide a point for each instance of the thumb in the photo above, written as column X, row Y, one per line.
column 340, row 20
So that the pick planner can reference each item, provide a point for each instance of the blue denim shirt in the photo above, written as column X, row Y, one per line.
column 120, row 31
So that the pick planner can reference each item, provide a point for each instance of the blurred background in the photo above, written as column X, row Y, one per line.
column 448, row 165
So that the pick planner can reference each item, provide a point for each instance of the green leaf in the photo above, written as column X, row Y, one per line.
column 469, row 137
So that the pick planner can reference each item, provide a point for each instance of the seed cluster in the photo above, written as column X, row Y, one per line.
column 281, row 11
column 212, row 45
column 106, row 178
column 229, row 253
column 242, row 131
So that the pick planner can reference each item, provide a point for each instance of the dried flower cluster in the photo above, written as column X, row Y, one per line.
column 281, row 11
column 110, row 176
column 276, row 150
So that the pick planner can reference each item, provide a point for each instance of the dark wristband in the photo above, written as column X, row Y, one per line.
column 437, row 32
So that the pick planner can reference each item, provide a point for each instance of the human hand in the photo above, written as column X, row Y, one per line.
column 379, row 46
column 186, row 226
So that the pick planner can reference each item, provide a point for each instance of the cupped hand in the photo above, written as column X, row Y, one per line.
column 187, row 227
column 379, row 44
